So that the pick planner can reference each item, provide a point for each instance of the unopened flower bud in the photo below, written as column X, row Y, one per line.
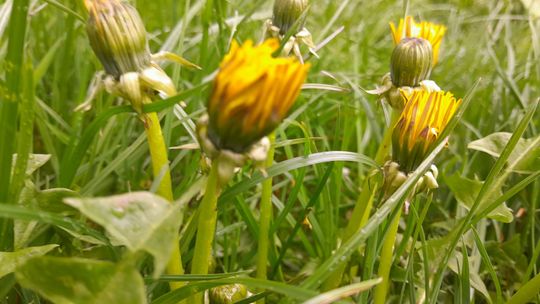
column 411, row 62
column 287, row 12
column 408, row 28
column 227, row 294
column 431, row 181
column 117, row 36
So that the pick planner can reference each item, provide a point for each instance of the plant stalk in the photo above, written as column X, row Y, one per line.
column 265, row 217
column 364, row 203
column 206, row 227
column 385, row 263
column 160, row 168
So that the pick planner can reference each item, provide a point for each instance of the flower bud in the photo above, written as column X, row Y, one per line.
column 227, row 294
column 117, row 36
column 423, row 119
column 252, row 93
column 287, row 12
column 431, row 32
column 411, row 62
column 393, row 178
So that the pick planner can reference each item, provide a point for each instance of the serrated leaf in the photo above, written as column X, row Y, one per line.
column 9, row 261
column 47, row 200
column 84, row 281
column 526, row 152
column 466, row 190
column 52, row 200
column 139, row 221
column 35, row 161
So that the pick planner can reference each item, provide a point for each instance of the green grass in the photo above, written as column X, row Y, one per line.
column 445, row 251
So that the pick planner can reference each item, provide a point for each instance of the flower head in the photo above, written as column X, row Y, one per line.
column 117, row 36
column 423, row 119
column 252, row 93
column 431, row 32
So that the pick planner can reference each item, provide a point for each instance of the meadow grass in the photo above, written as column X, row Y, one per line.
column 448, row 249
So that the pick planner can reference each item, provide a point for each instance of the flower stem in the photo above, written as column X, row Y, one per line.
column 364, row 203
column 384, row 147
column 356, row 222
column 265, row 217
column 158, row 154
column 206, row 227
column 386, row 260
column 160, row 168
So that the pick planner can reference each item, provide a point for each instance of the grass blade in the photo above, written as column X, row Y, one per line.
column 289, row 291
column 527, row 292
column 293, row 164
column 9, row 109
column 343, row 292
column 344, row 252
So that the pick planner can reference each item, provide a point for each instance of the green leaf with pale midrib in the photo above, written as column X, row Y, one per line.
column 84, row 281
column 466, row 190
column 9, row 261
column 525, row 157
column 138, row 220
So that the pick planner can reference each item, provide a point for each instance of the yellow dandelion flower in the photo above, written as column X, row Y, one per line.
column 252, row 93
column 431, row 32
column 423, row 119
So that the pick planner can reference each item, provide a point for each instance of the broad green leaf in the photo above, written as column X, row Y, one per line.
column 48, row 200
column 83, row 281
column 9, row 261
column 139, row 221
column 466, row 190
column 52, row 200
column 526, row 152
column 66, row 223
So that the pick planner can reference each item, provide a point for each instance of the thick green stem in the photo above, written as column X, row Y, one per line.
column 357, row 221
column 265, row 217
column 160, row 168
column 158, row 153
column 364, row 203
column 386, row 260
column 384, row 147
column 206, row 227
